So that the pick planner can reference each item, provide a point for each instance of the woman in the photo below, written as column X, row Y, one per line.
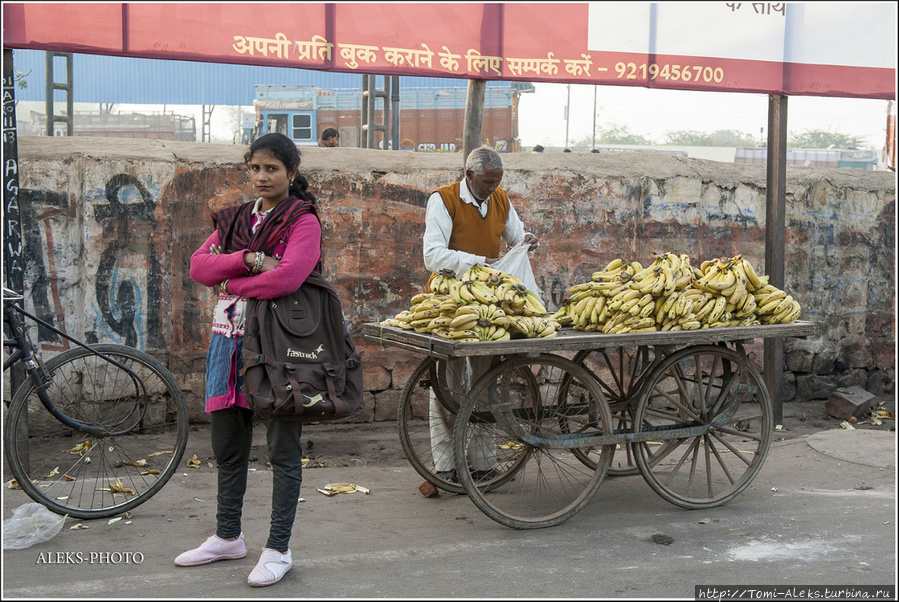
column 263, row 249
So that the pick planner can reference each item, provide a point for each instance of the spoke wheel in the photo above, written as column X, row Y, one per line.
column 695, row 387
column 548, row 485
column 414, row 420
column 426, row 447
column 90, row 476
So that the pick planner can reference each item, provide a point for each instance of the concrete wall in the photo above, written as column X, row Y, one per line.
column 110, row 226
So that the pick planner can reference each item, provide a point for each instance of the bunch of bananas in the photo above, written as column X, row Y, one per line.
column 588, row 304
column 533, row 326
column 427, row 312
column 775, row 306
column 478, row 322
column 483, row 305
column 669, row 272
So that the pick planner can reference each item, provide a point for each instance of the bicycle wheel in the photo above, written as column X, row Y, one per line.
column 89, row 476
column 549, row 484
column 425, row 449
column 705, row 385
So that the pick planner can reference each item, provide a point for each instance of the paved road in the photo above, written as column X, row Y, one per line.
column 821, row 512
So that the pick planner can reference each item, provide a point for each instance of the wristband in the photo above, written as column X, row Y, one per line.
column 257, row 265
column 223, row 286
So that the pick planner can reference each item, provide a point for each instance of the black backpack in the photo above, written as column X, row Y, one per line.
column 299, row 362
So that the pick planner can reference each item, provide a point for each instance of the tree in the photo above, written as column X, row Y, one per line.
column 823, row 139
column 619, row 134
column 716, row 138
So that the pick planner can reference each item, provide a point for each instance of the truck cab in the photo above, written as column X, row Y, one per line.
column 289, row 110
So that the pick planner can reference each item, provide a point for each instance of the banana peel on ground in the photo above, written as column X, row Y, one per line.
column 335, row 488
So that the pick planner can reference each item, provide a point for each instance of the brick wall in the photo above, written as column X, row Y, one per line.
column 109, row 227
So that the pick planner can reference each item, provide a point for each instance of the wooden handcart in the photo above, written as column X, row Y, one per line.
column 540, row 422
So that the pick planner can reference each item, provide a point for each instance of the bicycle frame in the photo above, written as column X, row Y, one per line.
column 22, row 350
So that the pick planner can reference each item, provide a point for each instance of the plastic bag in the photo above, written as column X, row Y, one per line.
column 30, row 524
column 517, row 263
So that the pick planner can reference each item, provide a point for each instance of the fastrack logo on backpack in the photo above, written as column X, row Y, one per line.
column 313, row 400
column 308, row 355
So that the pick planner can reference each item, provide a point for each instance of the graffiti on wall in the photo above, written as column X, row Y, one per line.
column 127, row 222
column 127, row 273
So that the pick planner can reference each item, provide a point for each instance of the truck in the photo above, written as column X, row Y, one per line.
column 431, row 119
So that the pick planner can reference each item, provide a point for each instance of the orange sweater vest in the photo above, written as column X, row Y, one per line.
column 471, row 232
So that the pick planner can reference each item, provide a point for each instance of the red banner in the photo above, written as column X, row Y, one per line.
column 531, row 42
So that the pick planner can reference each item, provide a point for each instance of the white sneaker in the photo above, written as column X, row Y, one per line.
column 213, row 549
column 272, row 566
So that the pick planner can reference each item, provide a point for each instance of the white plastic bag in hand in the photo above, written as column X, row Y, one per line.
column 30, row 524
column 517, row 263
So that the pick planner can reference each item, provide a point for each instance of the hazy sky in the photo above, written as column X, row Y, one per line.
column 653, row 112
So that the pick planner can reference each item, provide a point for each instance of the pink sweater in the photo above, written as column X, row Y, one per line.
column 298, row 258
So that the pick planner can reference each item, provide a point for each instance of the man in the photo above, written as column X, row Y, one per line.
column 330, row 138
column 466, row 224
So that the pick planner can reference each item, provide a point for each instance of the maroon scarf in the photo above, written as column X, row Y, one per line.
column 235, row 225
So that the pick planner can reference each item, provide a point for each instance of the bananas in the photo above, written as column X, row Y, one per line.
column 479, row 305
column 669, row 294
column 672, row 294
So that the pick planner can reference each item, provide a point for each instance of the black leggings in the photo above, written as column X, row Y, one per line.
column 232, row 436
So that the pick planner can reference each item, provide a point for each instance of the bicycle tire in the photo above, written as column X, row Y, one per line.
column 90, row 477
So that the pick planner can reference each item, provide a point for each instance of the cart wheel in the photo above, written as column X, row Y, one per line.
column 620, row 373
column 548, row 485
column 414, row 424
column 696, row 386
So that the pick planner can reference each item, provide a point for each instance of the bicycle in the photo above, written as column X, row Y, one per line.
column 94, row 432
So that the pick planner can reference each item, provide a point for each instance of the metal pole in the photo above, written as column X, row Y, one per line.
column 775, row 239
column 48, row 90
column 385, row 136
column 567, row 114
column 474, row 117
column 363, row 130
column 372, row 121
column 594, row 115
column 395, row 114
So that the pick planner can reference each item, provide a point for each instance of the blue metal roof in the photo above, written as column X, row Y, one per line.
column 112, row 79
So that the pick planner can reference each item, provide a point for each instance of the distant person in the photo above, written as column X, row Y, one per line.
column 538, row 149
column 330, row 138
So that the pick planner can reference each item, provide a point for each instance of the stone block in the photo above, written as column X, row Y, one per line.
column 386, row 405
column 375, row 378
column 848, row 402
column 799, row 361
column 812, row 386
column 401, row 372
